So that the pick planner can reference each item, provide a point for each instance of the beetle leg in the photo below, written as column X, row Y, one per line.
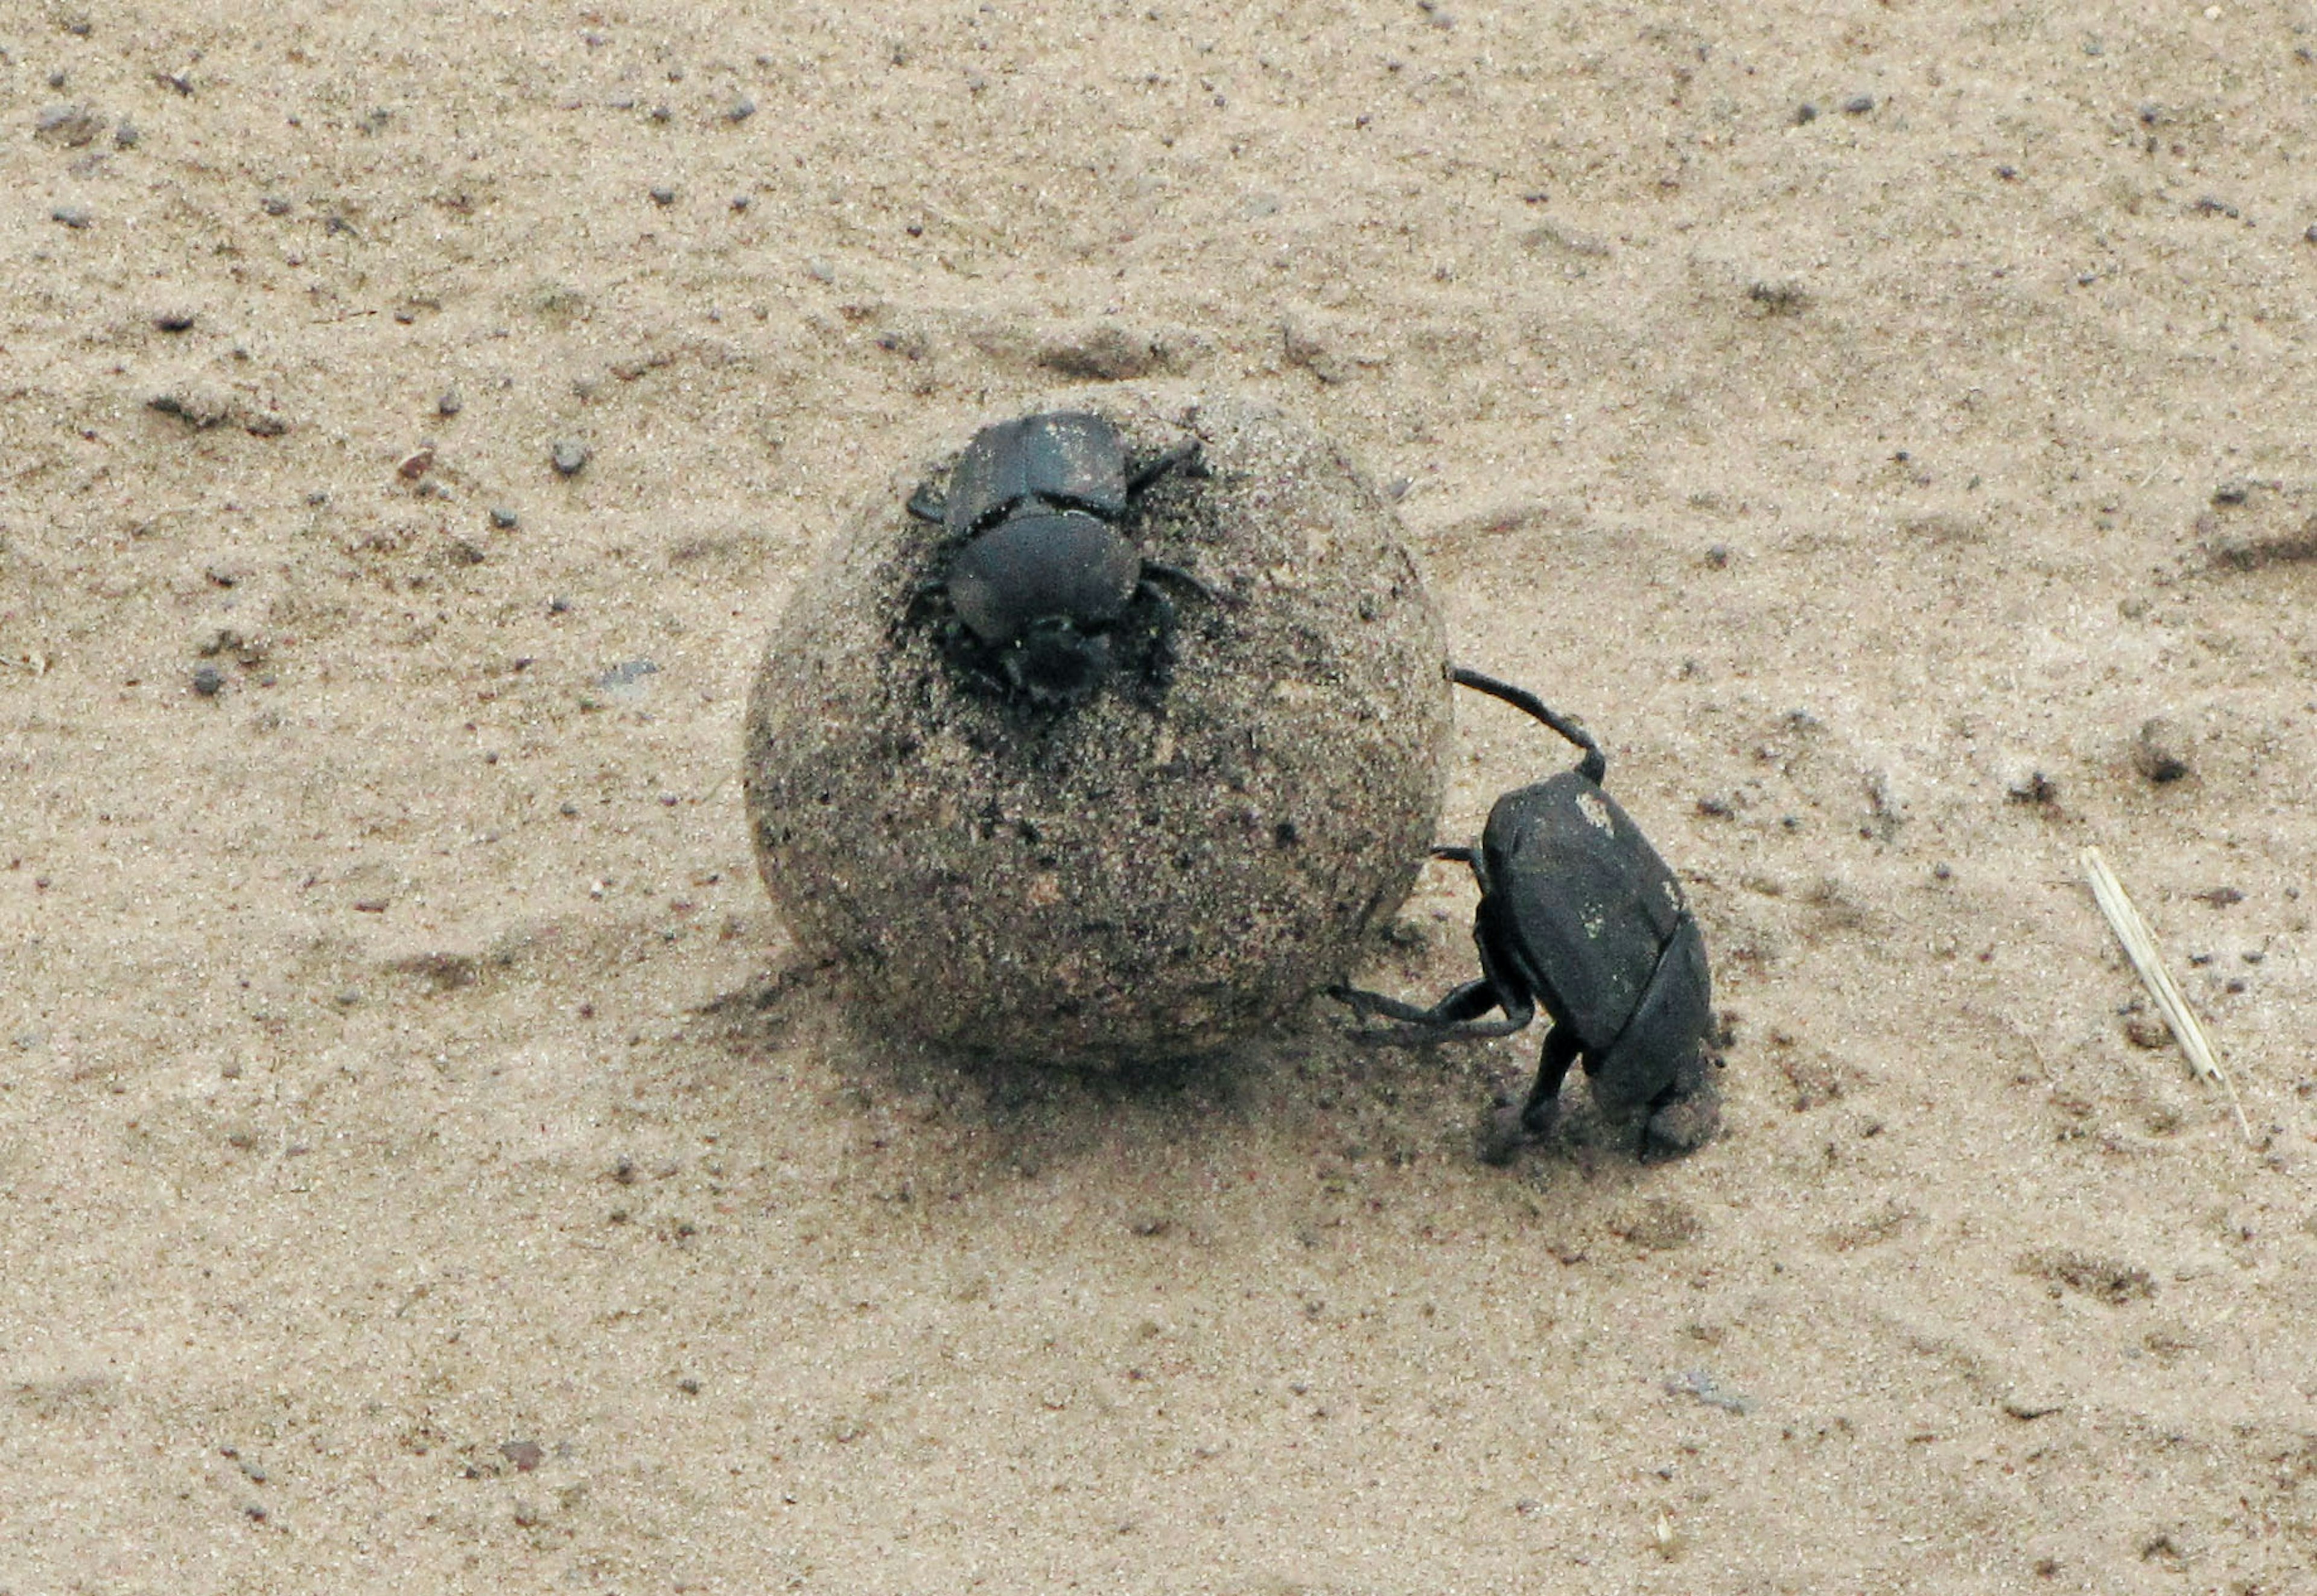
column 1151, row 568
column 1543, row 1105
column 1186, row 451
column 1456, row 1017
column 1594, row 766
column 1511, row 1129
column 1456, row 852
column 1467, row 1002
column 926, row 505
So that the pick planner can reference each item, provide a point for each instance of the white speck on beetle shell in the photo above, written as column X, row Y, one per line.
column 1590, row 806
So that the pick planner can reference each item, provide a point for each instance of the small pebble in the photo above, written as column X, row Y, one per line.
column 571, row 456
column 2161, row 751
column 71, row 126
column 176, row 319
column 2032, row 786
column 2233, row 492
column 741, row 109
column 662, row 194
column 505, row 520
column 208, row 681
column 1806, row 112
column 73, row 216
column 276, row 205
column 450, row 404
column 1858, row 105
column 127, row 135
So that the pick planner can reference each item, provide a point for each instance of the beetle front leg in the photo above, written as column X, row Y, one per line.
column 1186, row 452
column 926, row 505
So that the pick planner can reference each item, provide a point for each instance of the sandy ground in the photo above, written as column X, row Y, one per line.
column 421, row 1165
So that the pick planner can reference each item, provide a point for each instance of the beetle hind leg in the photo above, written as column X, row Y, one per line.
column 1467, row 1002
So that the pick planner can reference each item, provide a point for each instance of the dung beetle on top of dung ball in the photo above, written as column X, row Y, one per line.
column 1578, row 914
column 1041, row 577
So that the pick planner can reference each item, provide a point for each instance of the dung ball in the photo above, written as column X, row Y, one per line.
column 1177, row 856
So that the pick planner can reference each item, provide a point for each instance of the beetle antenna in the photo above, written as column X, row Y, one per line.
column 1594, row 766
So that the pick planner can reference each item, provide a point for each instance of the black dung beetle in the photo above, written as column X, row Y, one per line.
column 1578, row 913
column 1040, row 574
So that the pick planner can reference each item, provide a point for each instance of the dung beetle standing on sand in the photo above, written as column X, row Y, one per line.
column 1576, row 913
column 1040, row 575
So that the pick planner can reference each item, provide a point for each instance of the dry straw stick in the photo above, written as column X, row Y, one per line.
column 2140, row 946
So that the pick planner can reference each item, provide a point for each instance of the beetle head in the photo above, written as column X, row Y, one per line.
column 1054, row 665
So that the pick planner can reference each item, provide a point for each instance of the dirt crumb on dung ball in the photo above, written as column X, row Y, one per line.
column 1181, row 857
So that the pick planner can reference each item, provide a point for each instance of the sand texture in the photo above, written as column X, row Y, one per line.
column 425, row 1163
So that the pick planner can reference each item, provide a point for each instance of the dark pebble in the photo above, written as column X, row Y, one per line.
column 1806, row 112
column 505, row 520
column 450, row 404
column 662, row 194
column 199, row 407
column 71, row 126
column 571, row 456
column 1779, row 298
column 127, row 135
column 2161, row 751
column 208, row 681
column 2233, row 492
column 1858, row 105
column 276, row 205
column 73, row 216
column 741, row 109
column 178, row 321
